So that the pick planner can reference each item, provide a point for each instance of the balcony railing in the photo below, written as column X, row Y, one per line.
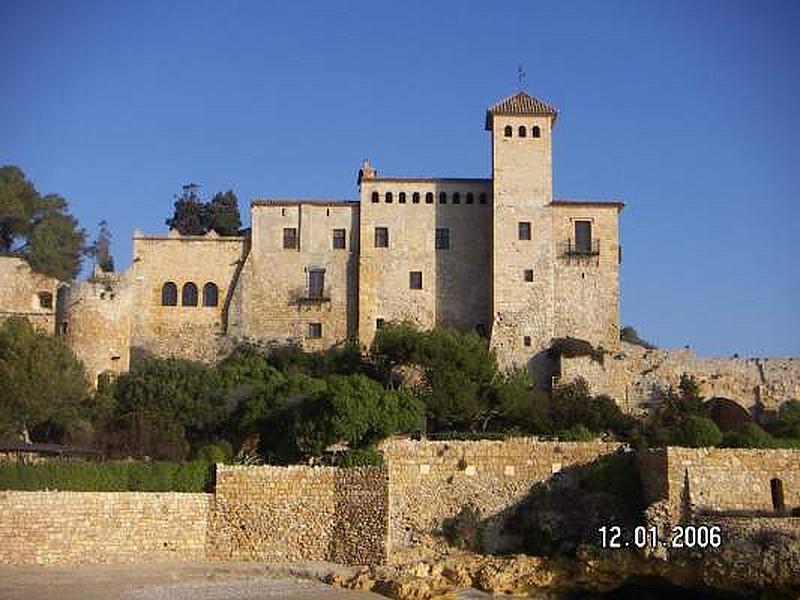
column 310, row 295
column 570, row 248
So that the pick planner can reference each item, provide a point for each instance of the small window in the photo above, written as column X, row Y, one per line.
column 45, row 300
column 524, row 230
column 169, row 294
column 210, row 294
column 316, row 283
column 536, row 132
column 483, row 198
column 376, row 197
column 64, row 327
column 415, row 280
column 315, row 330
column 508, row 131
column 189, row 294
column 339, row 241
column 456, row 198
column 389, row 197
column 522, row 132
column 415, row 198
column 289, row 238
column 583, row 237
column 442, row 238
column 379, row 323
column 401, row 197
column 528, row 274
column 470, row 198
column 429, row 198
column 442, row 197
column 381, row 237
column 526, row 340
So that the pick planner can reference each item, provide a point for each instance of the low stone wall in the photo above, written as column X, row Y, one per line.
column 300, row 513
column 49, row 528
column 430, row 482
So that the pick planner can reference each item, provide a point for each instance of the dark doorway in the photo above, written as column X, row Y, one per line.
column 776, row 487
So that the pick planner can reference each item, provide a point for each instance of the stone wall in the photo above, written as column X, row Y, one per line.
column 24, row 293
column 432, row 481
column 50, row 528
column 300, row 513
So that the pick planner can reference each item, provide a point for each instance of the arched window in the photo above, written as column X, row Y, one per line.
column 169, row 294
column 376, row 196
column 456, row 198
column 470, row 198
column 508, row 131
column 483, row 197
column 45, row 300
column 210, row 294
column 535, row 131
column 415, row 198
column 429, row 198
column 401, row 197
column 389, row 197
column 189, row 294
column 522, row 131
column 442, row 197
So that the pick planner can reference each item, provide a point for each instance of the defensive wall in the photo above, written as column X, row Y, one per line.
column 25, row 293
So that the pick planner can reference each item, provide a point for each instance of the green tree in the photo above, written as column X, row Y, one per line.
column 189, row 216
column 749, row 436
column 697, row 432
column 222, row 214
column 100, row 250
column 519, row 405
column 43, row 384
column 38, row 228
column 787, row 425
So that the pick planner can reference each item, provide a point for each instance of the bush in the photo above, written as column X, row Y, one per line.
column 218, row 452
column 749, row 436
column 360, row 457
column 698, row 432
column 464, row 530
column 577, row 433
column 111, row 476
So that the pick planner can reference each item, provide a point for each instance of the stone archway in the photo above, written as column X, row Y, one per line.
column 729, row 415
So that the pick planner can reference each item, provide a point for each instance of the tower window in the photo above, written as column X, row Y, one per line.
column 45, row 300
column 528, row 274
column 429, row 198
column 583, row 237
column 210, row 294
column 536, row 132
column 442, row 238
column 526, row 340
column 289, row 238
column 169, row 294
column 415, row 198
column 483, row 198
column 389, row 197
column 379, row 323
column 524, row 230
column 401, row 197
column 415, row 280
column 508, row 131
column 315, row 330
column 442, row 197
column 456, row 198
column 316, row 283
column 376, row 197
column 339, row 241
column 381, row 237
column 470, row 198
column 189, row 294
column 522, row 132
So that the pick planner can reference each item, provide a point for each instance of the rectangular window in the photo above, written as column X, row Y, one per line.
column 339, row 239
column 315, row 330
column 583, row 237
column 526, row 340
column 379, row 323
column 415, row 280
column 289, row 238
column 316, row 283
column 442, row 238
column 381, row 237
column 528, row 274
column 524, row 230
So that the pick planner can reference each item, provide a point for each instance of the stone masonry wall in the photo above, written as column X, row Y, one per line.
column 300, row 513
column 50, row 528
column 431, row 481
column 19, row 294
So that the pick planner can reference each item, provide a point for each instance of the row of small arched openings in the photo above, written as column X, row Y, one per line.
column 522, row 131
column 189, row 294
column 455, row 198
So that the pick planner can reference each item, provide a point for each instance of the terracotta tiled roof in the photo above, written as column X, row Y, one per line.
column 519, row 104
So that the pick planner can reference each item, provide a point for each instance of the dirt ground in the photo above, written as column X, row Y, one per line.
column 171, row 581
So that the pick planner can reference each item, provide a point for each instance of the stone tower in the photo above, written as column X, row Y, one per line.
column 523, row 277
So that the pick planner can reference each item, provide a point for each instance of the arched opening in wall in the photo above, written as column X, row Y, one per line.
column 727, row 414
column 189, row 294
column 429, row 198
column 169, row 294
column 776, row 488
column 45, row 300
column 522, row 132
column 536, row 132
column 376, row 197
column 210, row 294
column 508, row 131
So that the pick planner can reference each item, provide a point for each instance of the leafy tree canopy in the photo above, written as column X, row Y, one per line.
column 38, row 228
column 100, row 250
column 192, row 216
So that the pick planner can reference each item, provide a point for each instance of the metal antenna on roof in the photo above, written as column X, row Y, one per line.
column 521, row 76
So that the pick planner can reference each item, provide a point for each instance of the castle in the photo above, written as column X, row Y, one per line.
column 498, row 256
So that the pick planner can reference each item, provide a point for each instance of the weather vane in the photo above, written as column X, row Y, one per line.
column 521, row 76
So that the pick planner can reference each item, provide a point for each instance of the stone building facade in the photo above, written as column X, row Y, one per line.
column 25, row 293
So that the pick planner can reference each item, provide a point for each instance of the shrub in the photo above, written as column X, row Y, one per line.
column 749, row 436
column 464, row 530
column 218, row 452
column 577, row 433
column 360, row 457
column 698, row 432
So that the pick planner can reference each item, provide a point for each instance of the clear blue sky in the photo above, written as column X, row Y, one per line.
column 688, row 111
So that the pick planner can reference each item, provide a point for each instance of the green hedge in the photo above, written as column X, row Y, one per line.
column 111, row 476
